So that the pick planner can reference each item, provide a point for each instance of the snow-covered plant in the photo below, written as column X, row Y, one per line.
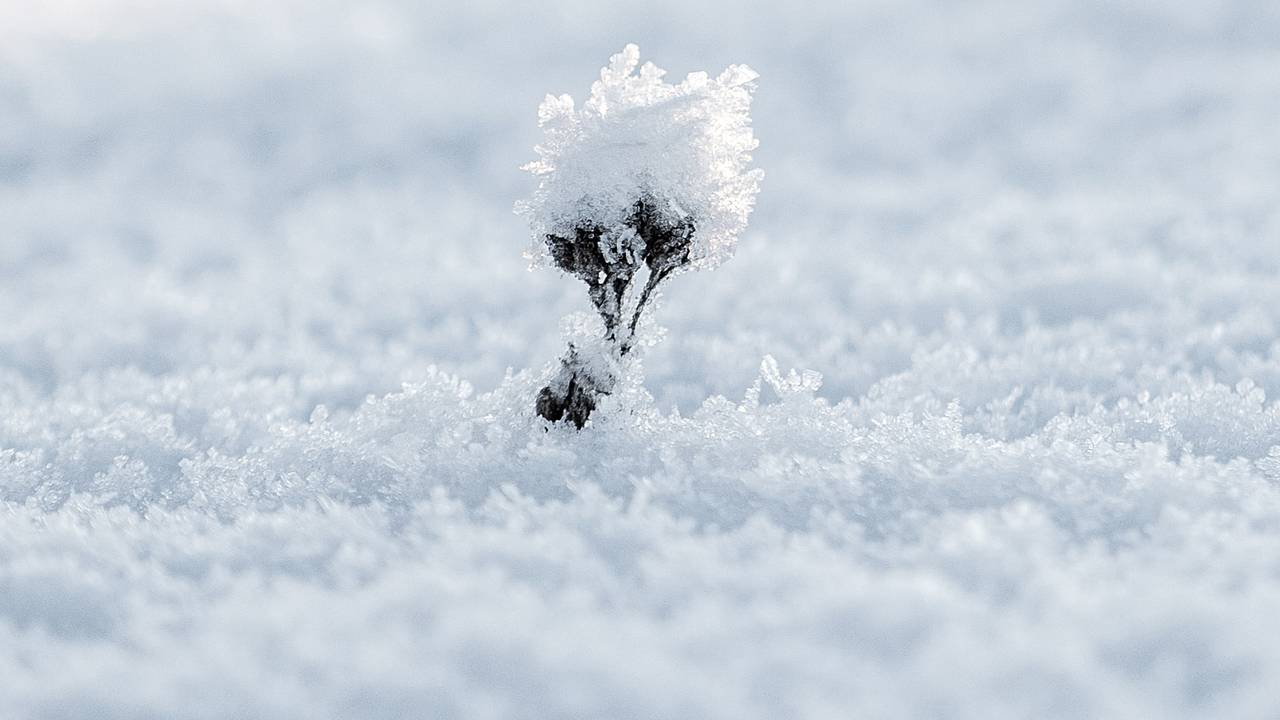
column 647, row 180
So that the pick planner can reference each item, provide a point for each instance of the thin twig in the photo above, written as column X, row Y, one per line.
column 654, row 279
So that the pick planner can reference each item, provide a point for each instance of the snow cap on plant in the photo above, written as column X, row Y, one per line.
column 682, row 149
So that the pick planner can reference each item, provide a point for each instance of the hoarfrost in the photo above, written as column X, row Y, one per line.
column 647, row 180
column 686, row 145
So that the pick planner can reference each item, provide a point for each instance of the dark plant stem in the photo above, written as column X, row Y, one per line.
column 654, row 279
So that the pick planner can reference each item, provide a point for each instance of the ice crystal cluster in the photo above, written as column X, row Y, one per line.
column 682, row 149
column 996, row 437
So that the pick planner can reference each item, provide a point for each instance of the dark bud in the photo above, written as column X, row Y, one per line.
column 572, row 393
column 575, row 405
column 667, row 245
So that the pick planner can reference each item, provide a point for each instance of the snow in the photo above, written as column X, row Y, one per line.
column 980, row 421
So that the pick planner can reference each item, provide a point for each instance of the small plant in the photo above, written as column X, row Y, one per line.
column 646, row 181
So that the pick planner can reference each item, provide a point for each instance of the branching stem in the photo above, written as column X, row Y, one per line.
column 654, row 279
column 651, row 238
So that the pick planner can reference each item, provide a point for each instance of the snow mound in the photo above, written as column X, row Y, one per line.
column 779, row 555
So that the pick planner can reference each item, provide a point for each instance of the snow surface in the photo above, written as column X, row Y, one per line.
column 260, row 456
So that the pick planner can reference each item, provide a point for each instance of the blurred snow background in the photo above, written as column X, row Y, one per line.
column 261, row 286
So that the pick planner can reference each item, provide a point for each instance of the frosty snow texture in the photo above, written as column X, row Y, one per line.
column 261, row 457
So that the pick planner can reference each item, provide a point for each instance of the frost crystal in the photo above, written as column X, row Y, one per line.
column 684, row 147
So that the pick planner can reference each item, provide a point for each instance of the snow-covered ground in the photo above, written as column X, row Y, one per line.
column 268, row 351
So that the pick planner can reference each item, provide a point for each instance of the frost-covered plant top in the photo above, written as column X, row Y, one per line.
column 647, row 179
column 686, row 146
